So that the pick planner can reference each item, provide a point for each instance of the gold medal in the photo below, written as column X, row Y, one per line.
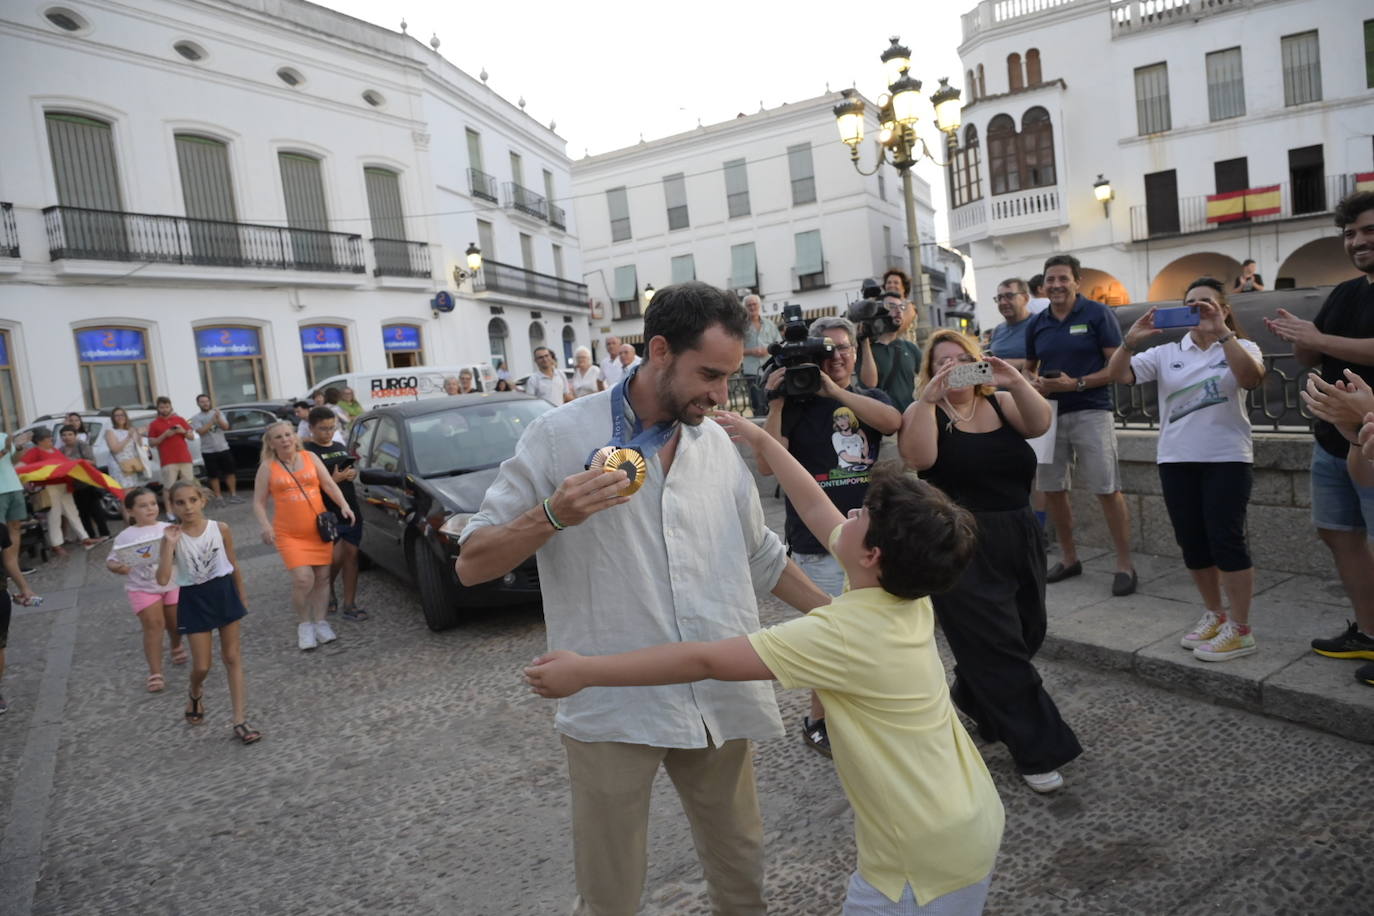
column 632, row 463
column 598, row 459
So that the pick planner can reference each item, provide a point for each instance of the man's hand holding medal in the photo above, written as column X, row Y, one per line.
column 582, row 495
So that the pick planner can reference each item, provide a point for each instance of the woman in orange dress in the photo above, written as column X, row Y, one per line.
column 293, row 479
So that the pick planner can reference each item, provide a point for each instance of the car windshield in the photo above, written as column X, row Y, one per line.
column 469, row 438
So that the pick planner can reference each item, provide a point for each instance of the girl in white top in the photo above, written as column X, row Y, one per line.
column 1205, row 456
column 201, row 553
column 586, row 377
column 126, row 449
column 135, row 554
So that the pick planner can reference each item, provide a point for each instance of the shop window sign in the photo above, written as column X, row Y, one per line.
column 110, row 345
column 211, row 342
column 402, row 337
column 322, row 339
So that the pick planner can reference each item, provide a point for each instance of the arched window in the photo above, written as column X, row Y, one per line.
column 497, row 340
column 972, row 86
column 1033, row 77
column 1003, row 159
column 569, row 344
column 982, row 85
column 1015, row 79
column 965, row 182
column 1037, row 149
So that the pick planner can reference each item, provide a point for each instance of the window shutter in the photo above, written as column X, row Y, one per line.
column 1225, row 85
column 1152, row 99
column 684, row 268
column 809, row 257
column 83, row 162
column 303, row 189
column 384, row 203
column 1302, row 71
column 625, row 283
column 475, row 150
column 737, row 188
column 206, row 184
column 744, row 268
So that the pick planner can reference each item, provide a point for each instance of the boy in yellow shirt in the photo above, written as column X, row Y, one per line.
column 927, row 818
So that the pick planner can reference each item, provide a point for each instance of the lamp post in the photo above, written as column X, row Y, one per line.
column 897, row 139
column 474, row 261
column 648, row 295
column 1102, row 190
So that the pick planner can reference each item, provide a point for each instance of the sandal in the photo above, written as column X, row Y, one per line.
column 196, row 714
column 245, row 734
column 179, row 655
column 354, row 613
column 156, row 683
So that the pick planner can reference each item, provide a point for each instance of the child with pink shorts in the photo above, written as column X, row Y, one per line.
column 135, row 554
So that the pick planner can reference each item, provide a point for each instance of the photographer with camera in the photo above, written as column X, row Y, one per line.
column 833, row 427
column 886, row 360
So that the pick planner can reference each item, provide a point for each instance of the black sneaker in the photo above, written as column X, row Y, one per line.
column 1365, row 675
column 1350, row 644
column 814, row 735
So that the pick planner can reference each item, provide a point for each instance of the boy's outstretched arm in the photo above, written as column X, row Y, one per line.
column 812, row 505
column 562, row 673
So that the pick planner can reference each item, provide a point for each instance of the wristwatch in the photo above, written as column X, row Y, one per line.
column 1082, row 384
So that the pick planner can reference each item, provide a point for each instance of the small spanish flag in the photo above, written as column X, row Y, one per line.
column 68, row 471
column 1263, row 201
column 1223, row 208
column 1364, row 181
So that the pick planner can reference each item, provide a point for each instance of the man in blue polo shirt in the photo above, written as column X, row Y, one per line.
column 1009, row 337
column 1067, row 349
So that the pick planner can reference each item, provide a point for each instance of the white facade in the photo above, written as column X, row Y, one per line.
column 368, row 105
column 1273, row 105
column 860, row 220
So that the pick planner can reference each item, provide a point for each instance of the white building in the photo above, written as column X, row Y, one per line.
column 1172, row 102
column 767, row 202
column 244, row 196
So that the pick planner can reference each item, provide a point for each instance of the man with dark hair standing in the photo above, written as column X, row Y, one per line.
column 547, row 381
column 1067, row 349
column 688, row 551
column 1248, row 281
column 210, row 425
column 1009, row 337
column 1341, row 338
column 890, row 361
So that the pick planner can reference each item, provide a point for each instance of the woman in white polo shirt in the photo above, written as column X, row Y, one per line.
column 1205, row 456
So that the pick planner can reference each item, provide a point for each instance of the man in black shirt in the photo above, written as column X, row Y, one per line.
column 835, row 435
column 341, row 466
column 890, row 361
column 1342, row 337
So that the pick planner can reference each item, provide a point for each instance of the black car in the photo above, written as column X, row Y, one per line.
column 247, row 422
column 423, row 468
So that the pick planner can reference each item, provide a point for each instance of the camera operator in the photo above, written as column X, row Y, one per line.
column 888, row 361
column 835, row 434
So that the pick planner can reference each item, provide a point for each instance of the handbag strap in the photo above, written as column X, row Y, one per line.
column 304, row 492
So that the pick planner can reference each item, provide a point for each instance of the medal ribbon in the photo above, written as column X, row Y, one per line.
column 645, row 441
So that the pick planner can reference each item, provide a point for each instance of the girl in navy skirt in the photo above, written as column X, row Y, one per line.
column 200, row 552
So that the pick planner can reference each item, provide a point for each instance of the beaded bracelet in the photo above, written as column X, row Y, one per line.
column 548, row 513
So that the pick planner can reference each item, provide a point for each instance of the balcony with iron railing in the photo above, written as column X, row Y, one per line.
column 1297, row 200
column 482, row 185
column 9, row 232
column 110, row 235
column 400, row 258
column 522, row 200
column 558, row 219
column 495, row 277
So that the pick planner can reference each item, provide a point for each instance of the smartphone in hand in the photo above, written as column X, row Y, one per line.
column 966, row 375
column 1183, row 316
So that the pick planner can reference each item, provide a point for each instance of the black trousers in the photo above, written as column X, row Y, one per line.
column 994, row 620
column 87, row 501
column 1206, row 501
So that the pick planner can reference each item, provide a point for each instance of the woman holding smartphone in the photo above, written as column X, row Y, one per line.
column 1205, row 456
column 970, row 441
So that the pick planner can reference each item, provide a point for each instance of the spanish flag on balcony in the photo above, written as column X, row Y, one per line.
column 1364, row 181
column 67, row 470
column 1234, row 205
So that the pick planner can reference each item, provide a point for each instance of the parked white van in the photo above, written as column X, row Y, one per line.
column 411, row 383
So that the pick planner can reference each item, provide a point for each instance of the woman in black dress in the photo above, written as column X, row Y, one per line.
column 971, row 443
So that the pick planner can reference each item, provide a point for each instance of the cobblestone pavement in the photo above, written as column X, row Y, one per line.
column 403, row 771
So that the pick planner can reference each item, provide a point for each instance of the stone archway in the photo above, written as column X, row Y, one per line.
column 1172, row 282
column 1318, row 263
column 1102, row 286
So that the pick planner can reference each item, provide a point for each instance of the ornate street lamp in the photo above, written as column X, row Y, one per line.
column 474, row 257
column 648, row 294
column 898, row 113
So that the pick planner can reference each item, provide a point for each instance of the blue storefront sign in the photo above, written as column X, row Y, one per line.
column 227, row 342
column 110, row 345
column 401, row 337
column 323, row 339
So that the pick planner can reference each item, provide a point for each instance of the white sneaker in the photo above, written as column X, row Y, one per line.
column 305, row 636
column 324, row 632
column 1044, row 782
column 1202, row 631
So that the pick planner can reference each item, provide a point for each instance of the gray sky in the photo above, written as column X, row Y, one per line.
column 610, row 71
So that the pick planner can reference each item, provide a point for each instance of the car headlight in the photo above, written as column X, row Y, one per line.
column 455, row 524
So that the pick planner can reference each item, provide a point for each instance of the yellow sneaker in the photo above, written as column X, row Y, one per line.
column 1203, row 630
column 1229, row 643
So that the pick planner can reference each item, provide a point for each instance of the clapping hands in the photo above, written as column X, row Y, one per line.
column 1344, row 404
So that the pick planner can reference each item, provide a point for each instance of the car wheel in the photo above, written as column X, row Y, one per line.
column 438, row 590
column 111, row 506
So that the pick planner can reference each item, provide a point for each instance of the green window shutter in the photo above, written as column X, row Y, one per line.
column 384, row 203
column 83, row 162
column 625, row 283
column 810, row 259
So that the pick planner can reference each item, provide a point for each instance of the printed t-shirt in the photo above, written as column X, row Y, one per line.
column 142, row 578
column 926, row 812
column 1009, row 340
column 1202, row 412
column 334, row 455
column 1074, row 347
column 1347, row 312
column 836, row 448
column 212, row 441
column 173, row 449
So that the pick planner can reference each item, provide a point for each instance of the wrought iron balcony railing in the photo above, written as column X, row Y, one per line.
column 9, row 233
column 519, row 197
column 111, row 235
column 1311, row 197
column 496, row 277
column 399, row 258
column 482, row 185
column 557, row 218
